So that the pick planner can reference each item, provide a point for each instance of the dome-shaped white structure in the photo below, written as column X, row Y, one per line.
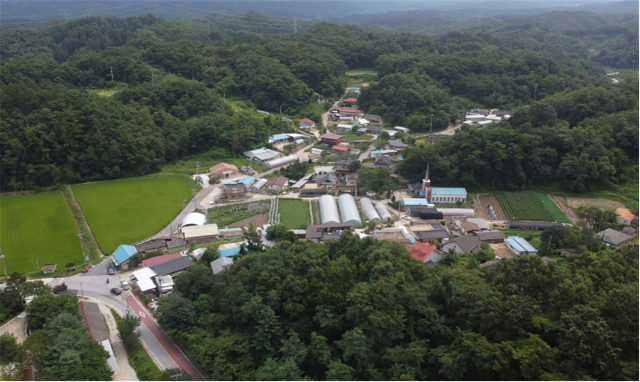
column 349, row 210
column 384, row 212
column 194, row 218
column 328, row 209
column 468, row 212
column 369, row 211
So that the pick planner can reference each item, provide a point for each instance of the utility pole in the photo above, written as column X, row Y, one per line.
column 431, row 124
column 81, row 288
column 111, row 67
column 37, row 264
column 194, row 192
column 3, row 267
column 549, row 245
column 170, row 222
column 197, row 168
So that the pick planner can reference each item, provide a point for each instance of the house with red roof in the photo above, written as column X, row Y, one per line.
column 364, row 85
column 160, row 259
column 223, row 170
column 306, row 123
column 331, row 138
column 351, row 100
column 349, row 112
column 625, row 216
column 425, row 252
column 278, row 183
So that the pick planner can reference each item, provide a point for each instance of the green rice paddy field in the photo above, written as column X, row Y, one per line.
column 294, row 214
column 128, row 210
column 38, row 224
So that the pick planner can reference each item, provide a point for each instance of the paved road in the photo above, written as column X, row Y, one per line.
column 94, row 284
column 167, row 344
column 365, row 154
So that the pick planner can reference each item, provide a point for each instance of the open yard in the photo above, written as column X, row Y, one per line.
column 524, row 206
column 37, row 224
column 128, row 210
column 294, row 214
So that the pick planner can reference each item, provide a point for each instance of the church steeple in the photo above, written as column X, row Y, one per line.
column 426, row 185
column 426, row 176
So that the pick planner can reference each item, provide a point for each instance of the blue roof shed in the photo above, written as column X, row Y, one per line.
column 279, row 137
column 247, row 180
column 415, row 202
column 123, row 253
column 520, row 245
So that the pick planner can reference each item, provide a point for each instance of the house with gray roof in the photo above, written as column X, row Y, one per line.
column 326, row 180
column 615, row 238
column 463, row 244
column 172, row 267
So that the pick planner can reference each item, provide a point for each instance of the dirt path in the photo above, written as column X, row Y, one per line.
column 491, row 200
column 125, row 372
column 358, row 73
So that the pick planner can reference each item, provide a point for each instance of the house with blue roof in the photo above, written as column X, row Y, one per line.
column 520, row 246
column 279, row 138
column 122, row 255
column 247, row 181
column 228, row 250
column 414, row 202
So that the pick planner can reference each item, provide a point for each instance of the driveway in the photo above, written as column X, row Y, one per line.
column 365, row 154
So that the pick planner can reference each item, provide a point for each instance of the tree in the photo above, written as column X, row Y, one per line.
column 8, row 347
column 45, row 307
column 354, row 166
column 127, row 331
column 177, row 314
column 280, row 232
column 373, row 179
column 597, row 219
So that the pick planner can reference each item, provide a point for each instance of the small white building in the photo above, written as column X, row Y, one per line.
column 402, row 129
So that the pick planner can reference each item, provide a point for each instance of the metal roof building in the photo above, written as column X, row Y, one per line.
column 328, row 210
column 384, row 212
column 530, row 225
column 520, row 246
column 369, row 211
column 259, row 184
column 468, row 212
column 281, row 161
column 194, row 218
column 414, row 202
column 349, row 210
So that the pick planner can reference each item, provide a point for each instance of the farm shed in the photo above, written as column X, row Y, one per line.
column 172, row 266
column 194, row 218
column 490, row 236
column 160, row 259
column 300, row 183
column 144, row 279
column 258, row 185
column 201, row 234
column 223, row 170
column 281, row 161
column 520, row 246
column 468, row 212
column 530, row 225
column 384, row 212
column 230, row 249
column 231, row 233
column 469, row 227
column 369, row 211
column 151, row 246
column 328, row 210
column 313, row 192
column 394, row 234
column 402, row 129
column 349, row 210
column 221, row 264
column 479, row 221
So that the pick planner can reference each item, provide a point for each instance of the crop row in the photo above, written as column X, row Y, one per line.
column 523, row 206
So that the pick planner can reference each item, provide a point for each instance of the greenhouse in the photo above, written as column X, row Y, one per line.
column 328, row 209
column 369, row 211
column 384, row 212
column 349, row 210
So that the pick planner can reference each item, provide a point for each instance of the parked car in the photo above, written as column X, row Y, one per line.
column 405, row 217
column 116, row 291
column 124, row 285
column 71, row 269
column 111, row 271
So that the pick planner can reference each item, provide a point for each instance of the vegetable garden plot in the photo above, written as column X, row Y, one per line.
column 524, row 206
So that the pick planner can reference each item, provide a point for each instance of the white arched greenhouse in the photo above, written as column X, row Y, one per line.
column 384, row 212
column 194, row 218
column 369, row 211
column 349, row 210
column 328, row 210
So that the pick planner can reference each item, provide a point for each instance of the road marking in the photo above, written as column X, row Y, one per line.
column 142, row 314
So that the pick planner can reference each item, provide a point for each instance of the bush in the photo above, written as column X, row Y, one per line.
column 8, row 347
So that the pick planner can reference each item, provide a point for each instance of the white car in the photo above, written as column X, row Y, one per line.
column 405, row 217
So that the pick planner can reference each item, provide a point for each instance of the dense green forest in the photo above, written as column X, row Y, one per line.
column 172, row 79
column 582, row 138
column 366, row 310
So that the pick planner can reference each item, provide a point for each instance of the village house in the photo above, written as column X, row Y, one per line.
column 431, row 233
column 343, row 128
column 324, row 232
column 223, row 170
column 351, row 180
column 331, row 138
column 122, row 256
column 613, row 237
column 326, row 181
column 463, row 244
column 625, row 216
column 490, row 236
column 262, row 155
column 374, row 129
column 342, row 165
column 278, row 183
column 396, row 144
column 306, row 123
column 349, row 112
column 385, row 161
column 372, row 118
column 233, row 192
column 425, row 252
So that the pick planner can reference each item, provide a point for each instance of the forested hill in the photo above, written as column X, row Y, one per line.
column 170, row 79
column 366, row 310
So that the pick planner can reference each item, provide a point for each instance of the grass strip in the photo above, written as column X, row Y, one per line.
column 553, row 208
column 140, row 360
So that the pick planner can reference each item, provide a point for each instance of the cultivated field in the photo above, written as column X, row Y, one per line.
column 592, row 202
column 128, row 210
column 257, row 220
column 491, row 200
column 523, row 206
column 37, row 224
column 294, row 214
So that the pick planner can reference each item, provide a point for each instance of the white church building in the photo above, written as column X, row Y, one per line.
column 442, row 194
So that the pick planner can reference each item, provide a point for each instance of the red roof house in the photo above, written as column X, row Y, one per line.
column 332, row 138
column 625, row 216
column 223, row 169
column 421, row 251
column 306, row 121
column 365, row 85
column 349, row 110
column 160, row 259
column 339, row 148
column 351, row 100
